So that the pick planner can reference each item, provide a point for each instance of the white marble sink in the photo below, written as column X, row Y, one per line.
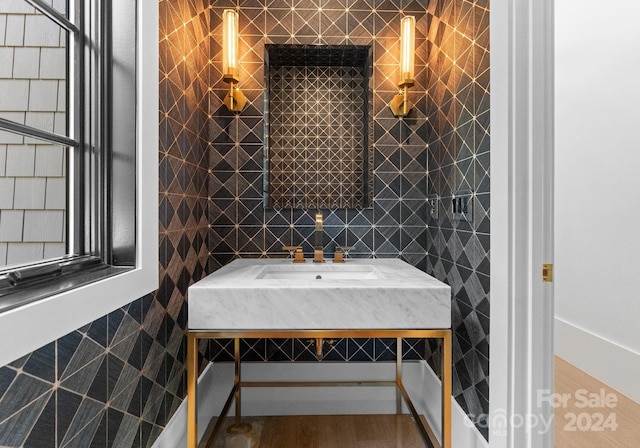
column 276, row 294
column 310, row 271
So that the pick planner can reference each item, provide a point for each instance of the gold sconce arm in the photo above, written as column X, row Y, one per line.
column 400, row 104
column 235, row 99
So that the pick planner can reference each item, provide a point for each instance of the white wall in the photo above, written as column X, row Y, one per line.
column 597, row 209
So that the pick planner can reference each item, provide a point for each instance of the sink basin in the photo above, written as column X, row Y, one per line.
column 320, row 272
column 276, row 294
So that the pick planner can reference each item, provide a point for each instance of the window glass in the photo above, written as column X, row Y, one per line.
column 67, row 145
column 33, row 70
column 33, row 202
column 59, row 5
column 33, row 172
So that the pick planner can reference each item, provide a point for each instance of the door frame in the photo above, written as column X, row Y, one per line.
column 521, row 349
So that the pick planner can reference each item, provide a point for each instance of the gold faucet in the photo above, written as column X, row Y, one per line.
column 318, row 254
column 295, row 253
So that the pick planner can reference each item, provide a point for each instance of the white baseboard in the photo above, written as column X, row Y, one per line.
column 421, row 383
column 605, row 360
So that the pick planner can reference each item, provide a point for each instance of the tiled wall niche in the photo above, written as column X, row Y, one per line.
column 115, row 382
column 459, row 158
column 318, row 121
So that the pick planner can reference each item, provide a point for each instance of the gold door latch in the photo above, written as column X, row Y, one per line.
column 547, row 272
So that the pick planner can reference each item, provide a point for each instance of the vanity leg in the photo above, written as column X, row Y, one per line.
column 398, row 375
column 192, row 381
column 446, row 390
column 238, row 427
column 236, row 380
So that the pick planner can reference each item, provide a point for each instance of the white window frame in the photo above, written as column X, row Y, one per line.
column 29, row 327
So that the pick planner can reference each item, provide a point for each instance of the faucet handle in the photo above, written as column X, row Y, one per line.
column 295, row 253
column 337, row 255
column 291, row 249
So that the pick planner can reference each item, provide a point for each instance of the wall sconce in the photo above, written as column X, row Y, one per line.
column 400, row 104
column 235, row 99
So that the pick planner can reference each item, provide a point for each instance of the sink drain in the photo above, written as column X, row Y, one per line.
column 318, row 277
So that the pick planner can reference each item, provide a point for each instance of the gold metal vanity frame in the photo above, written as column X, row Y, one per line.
column 401, row 393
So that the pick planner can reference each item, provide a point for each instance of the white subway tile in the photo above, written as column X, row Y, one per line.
column 29, row 193
column 39, row 31
column 43, row 225
column 6, row 62
column 26, row 63
column 49, row 160
column 14, row 35
column 14, row 94
column 11, row 222
column 3, row 27
column 3, row 254
column 43, row 96
column 3, row 159
column 56, row 198
column 19, row 253
column 6, row 192
column 53, row 63
column 54, row 250
column 20, row 160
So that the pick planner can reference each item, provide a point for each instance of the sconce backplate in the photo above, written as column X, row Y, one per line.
column 235, row 100
column 398, row 107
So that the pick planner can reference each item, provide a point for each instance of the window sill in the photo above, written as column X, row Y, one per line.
column 57, row 285
column 31, row 326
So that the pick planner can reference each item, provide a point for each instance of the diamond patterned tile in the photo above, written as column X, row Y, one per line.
column 458, row 151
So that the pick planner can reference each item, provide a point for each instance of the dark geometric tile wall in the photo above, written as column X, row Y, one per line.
column 116, row 381
column 458, row 111
column 396, row 224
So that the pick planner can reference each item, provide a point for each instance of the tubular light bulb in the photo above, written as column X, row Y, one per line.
column 230, row 44
column 407, row 55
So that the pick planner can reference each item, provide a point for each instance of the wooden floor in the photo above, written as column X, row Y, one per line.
column 582, row 427
column 327, row 431
column 594, row 426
